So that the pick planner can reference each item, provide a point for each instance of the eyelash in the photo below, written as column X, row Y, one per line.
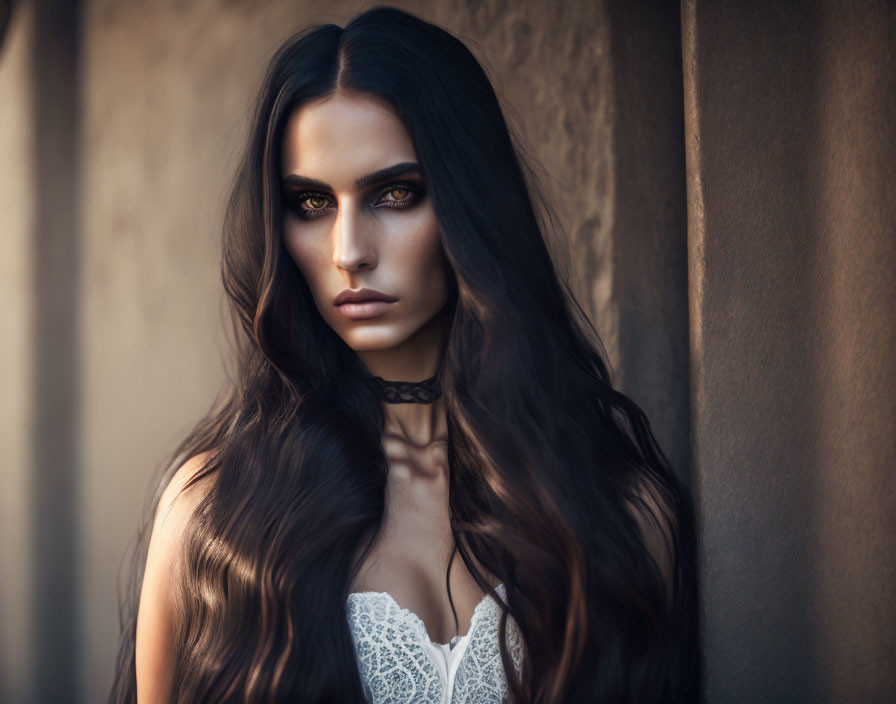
column 312, row 213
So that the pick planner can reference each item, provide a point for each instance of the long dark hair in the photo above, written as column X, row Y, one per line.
column 547, row 461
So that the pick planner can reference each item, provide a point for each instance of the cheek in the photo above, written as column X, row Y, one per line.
column 313, row 262
column 310, row 260
column 423, row 257
column 435, row 268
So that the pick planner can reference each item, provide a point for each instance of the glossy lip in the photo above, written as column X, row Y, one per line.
column 361, row 295
column 364, row 310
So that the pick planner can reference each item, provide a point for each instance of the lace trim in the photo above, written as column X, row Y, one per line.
column 419, row 621
column 426, row 391
column 400, row 664
column 479, row 678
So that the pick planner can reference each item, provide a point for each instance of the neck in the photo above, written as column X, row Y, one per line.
column 415, row 360
column 418, row 424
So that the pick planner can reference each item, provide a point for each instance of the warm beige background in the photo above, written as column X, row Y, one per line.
column 730, row 229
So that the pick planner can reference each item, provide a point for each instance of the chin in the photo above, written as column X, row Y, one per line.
column 374, row 337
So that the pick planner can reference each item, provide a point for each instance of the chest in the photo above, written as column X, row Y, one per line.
column 410, row 561
column 410, row 558
column 409, row 646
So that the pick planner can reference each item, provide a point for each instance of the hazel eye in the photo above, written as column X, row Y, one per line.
column 308, row 205
column 399, row 195
column 403, row 192
column 316, row 202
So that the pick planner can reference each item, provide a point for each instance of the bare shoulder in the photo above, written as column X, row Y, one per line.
column 182, row 495
column 176, row 505
column 155, row 614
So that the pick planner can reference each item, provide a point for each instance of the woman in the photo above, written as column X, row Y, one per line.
column 433, row 495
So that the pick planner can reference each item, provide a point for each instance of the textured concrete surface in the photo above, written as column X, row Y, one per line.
column 792, row 225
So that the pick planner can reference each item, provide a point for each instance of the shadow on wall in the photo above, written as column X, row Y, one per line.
column 6, row 8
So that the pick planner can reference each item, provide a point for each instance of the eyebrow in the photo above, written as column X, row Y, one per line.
column 296, row 181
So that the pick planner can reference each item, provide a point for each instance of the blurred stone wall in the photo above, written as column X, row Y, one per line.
column 17, row 207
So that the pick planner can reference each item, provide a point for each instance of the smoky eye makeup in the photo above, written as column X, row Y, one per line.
column 308, row 204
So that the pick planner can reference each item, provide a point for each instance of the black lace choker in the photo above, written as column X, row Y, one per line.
column 426, row 391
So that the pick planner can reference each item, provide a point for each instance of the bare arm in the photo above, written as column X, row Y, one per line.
column 155, row 617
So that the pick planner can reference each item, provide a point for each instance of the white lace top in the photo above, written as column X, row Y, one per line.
column 400, row 664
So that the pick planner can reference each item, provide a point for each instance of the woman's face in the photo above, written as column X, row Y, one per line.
column 357, row 216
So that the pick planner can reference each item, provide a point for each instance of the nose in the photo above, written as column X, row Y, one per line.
column 352, row 242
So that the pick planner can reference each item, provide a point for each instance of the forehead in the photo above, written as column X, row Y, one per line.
column 343, row 137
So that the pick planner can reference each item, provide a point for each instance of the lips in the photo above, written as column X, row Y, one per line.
column 361, row 296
